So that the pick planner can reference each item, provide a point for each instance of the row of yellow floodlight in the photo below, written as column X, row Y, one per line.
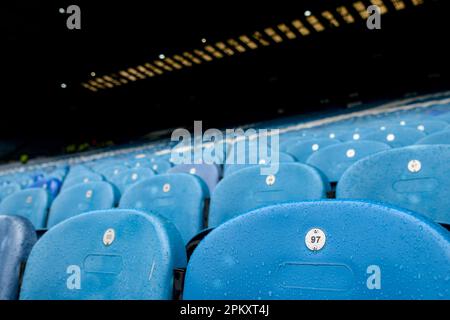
column 271, row 35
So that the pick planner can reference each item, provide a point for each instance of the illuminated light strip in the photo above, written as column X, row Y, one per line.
column 345, row 14
column 301, row 27
column 222, row 46
column 236, row 45
column 173, row 63
column 275, row 36
column 192, row 58
column 248, row 42
column 104, row 83
column 95, row 84
column 203, row 55
column 145, row 71
column 112, row 80
column 214, row 52
column 287, row 31
column 135, row 73
column 315, row 23
column 380, row 4
column 128, row 76
column 118, row 79
column 161, row 64
column 182, row 60
column 329, row 16
column 153, row 68
column 417, row 2
column 398, row 4
column 241, row 44
column 361, row 8
column 89, row 87
column 259, row 37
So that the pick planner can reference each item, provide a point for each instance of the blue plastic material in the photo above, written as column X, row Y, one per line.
column 52, row 186
column 111, row 171
column 75, row 260
column 283, row 157
column 397, row 137
column 335, row 159
column 209, row 173
column 160, row 166
column 442, row 137
column 130, row 177
column 414, row 178
column 179, row 197
column 428, row 126
column 79, row 178
column 8, row 190
column 303, row 150
column 370, row 252
column 247, row 190
column 79, row 199
column 17, row 237
column 31, row 204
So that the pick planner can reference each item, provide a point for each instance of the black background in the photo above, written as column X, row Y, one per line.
column 327, row 70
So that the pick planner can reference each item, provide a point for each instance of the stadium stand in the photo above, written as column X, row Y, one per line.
column 328, row 142
column 403, row 188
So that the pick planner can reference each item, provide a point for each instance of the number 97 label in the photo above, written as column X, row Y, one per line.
column 315, row 239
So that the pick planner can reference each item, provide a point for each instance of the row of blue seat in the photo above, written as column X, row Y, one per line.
column 305, row 250
column 120, row 226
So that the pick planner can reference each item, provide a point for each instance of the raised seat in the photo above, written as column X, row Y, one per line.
column 79, row 177
column 17, row 237
column 105, row 255
column 31, row 204
column 414, row 178
column 247, row 190
column 8, row 190
column 442, row 137
column 209, row 173
column 335, row 159
column 304, row 149
column 130, row 177
column 396, row 137
column 81, row 198
column 322, row 250
column 179, row 197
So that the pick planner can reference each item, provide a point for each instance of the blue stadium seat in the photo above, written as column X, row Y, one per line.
column 80, row 177
column 179, row 197
column 17, row 237
column 160, row 166
column 414, row 178
column 31, row 204
column 283, row 157
column 140, row 163
column 396, row 137
column 81, row 198
column 335, row 159
column 51, row 185
column 442, row 137
column 130, row 177
column 322, row 250
column 428, row 126
column 105, row 255
column 8, row 190
column 111, row 171
column 247, row 190
column 304, row 149
column 209, row 173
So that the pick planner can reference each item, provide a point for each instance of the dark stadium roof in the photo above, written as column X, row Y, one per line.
column 341, row 65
